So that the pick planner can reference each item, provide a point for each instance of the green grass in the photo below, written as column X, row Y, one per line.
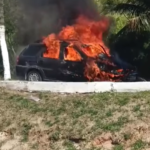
column 138, row 145
column 73, row 121
column 118, row 147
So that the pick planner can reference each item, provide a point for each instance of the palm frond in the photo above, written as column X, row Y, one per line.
column 143, row 3
column 131, row 9
column 139, row 23
column 138, row 12
column 136, row 24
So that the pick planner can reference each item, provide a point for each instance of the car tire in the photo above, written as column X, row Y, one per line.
column 34, row 76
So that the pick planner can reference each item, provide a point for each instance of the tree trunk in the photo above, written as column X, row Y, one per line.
column 4, row 50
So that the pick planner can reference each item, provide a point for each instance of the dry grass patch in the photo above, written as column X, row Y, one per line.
column 117, row 121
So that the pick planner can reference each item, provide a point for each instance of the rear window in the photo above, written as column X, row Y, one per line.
column 32, row 50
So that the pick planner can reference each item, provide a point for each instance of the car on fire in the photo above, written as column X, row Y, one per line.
column 32, row 66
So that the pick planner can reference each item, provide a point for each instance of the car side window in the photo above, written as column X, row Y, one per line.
column 32, row 50
column 53, row 54
column 71, row 54
column 52, row 51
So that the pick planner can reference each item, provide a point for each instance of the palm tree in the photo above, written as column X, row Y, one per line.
column 3, row 45
column 138, row 12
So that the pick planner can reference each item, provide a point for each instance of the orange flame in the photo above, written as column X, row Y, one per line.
column 84, row 31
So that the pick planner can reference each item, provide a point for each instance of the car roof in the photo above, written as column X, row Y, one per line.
column 40, row 43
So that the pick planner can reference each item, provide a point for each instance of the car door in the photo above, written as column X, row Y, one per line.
column 49, row 66
column 70, row 68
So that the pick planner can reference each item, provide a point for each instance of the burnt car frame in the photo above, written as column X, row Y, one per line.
column 32, row 66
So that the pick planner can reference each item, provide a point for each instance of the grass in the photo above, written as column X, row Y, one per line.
column 138, row 145
column 75, row 121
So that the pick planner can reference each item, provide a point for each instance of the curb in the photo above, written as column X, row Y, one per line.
column 76, row 87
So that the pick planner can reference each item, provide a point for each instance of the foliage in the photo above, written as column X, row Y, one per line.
column 118, row 21
column 138, row 11
column 10, row 22
column 132, row 40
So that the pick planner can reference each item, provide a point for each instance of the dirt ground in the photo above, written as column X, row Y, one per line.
column 46, row 121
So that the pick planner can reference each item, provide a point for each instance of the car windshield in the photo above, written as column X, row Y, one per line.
column 93, row 50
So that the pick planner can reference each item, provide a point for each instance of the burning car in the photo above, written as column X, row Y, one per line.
column 76, row 53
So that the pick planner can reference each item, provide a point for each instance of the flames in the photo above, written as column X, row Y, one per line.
column 83, row 32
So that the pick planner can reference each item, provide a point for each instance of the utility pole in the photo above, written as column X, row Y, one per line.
column 3, row 45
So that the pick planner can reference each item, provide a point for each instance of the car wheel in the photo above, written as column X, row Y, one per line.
column 34, row 76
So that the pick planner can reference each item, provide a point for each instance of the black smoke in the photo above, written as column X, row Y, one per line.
column 39, row 18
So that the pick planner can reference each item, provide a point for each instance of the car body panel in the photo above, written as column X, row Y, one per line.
column 49, row 67
column 56, row 69
column 72, row 71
